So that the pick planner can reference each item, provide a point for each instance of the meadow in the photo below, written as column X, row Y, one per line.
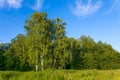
column 61, row 75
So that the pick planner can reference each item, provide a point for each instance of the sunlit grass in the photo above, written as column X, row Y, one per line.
column 62, row 75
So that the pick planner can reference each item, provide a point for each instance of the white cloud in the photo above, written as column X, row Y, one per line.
column 82, row 9
column 10, row 3
column 38, row 5
column 14, row 3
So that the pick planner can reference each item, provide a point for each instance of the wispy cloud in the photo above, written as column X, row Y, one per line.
column 38, row 5
column 14, row 3
column 116, row 3
column 10, row 3
column 82, row 9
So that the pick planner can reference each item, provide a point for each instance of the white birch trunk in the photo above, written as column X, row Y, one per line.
column 42, row 65
column 36, row 66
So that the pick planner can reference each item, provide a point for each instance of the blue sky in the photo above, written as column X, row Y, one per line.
column 99, row 19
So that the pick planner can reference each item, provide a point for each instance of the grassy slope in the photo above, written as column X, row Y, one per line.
column 62, row 75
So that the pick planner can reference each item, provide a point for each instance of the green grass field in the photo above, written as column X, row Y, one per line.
column 62, row 75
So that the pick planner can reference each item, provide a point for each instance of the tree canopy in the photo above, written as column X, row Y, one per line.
column 46, row 46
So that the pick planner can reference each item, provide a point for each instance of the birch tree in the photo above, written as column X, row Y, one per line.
column 38, row 28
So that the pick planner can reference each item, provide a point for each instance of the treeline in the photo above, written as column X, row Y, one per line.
column 45, row 46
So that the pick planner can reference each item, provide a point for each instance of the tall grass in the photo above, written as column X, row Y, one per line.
column 62, row 75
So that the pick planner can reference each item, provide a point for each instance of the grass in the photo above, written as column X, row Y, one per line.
column 62, row 75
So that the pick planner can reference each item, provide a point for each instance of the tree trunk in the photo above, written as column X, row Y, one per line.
column 42, row 66
column 36, row 66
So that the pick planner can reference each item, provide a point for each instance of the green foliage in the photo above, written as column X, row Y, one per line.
column 3, row 48
column 45, row 46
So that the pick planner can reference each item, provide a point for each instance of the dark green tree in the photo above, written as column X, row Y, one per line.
column 3, row 48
